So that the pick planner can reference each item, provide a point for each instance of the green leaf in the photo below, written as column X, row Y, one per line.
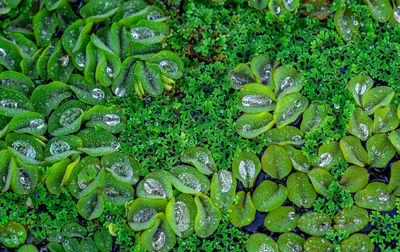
column 91, row 206
column 148, row 32
column 354, row 178
column 44, row 26
column 116, row 192
column 256, row 98
column 25, row 147
column 380, row 150
column 131, row 12
column 321, row 179
column 112, row 119
column 315, row 223
column 276, row 162
column 252, row 125
column 17, row 81
column 208, row 216
column 300, row 190
column 87, row 244
column 26, row 46
column 13, row 103
column 377, row 97
column 142, row 213
column 54, row 4
column 76, row 35
column 375, row 196
column 394, row 138
column 7, row 169
column 103, row 240
column 70, row 245
column 88, row 92
column 299, row 160
column 31, row 122
column 289, row 242
column 289, row 108
column 241, row 75
column 60, row 65
column 124, row 83
column 394, row 182
column 317, row 244
column 313, row 117
column 12, row 234
column 243, row 212
column 223, row 188
column 73, row 230
column 59, row 148
column 58, row 174
column 155, row 185
column 159, row 237
column 201, row 158
column 99, row 10
column 259, row 4
column 246, row 167
column 98, row 142
column 107, row 68
column 346, row 24
column 282, row 219
column 149, row 78
column 187, row 179
column 358, row 242
column 43, row 60
column 360, row 125
column 25, row 178
column 11, row 55
column 47, row 97
column 143, row 52
column 86, row 176
column 262, row 67
column 67, row 118
column 169, row 63
column 286, row 81
column 275, row 195
column 353, row 151
column 29, row 65
column 123, row 167
column 351, row 220
column 181, row 213
column 277, row 8
column 261, row 242
column 66, row 16
column 380, row 10
column 385, row 119
column 359, row 85
column 329, row 155
column 284, row 136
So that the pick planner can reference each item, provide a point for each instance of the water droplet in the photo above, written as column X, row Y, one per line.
column 396, row 14
column 37, row 124
column 152, row 186
column 110, row 72
column 122, row 169
column 265, row 74
column 287, row 82
column 144, row 215
column 325, row 159
column 360, row 88
column 256, row 101
column 168, row 66
column 24, row 148
column 24, row 180
column 158, row 240
column 190, row 181
column 142, row 33
column 297, row 103
column 363, row 130
column 303, row 202
column 64, row 60
column 59, row 146
column 246, row 127
column 202, row 157
column 182, row 216
column 70, row 115
column 239, row 79
column 98, row 94
column 292, row 215
column 247, row 169
column 154, row 15
column 119, row 91
column 384, row 196
column 111, row 119
column 225, row 180
column 2, row 53
column 8, row 103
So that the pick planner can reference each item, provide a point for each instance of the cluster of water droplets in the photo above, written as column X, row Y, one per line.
column 190, row 181
column 225, row 180
column 256, row 100
column 325, row 159
column 111, row 119
column 110, row 72
column 182, row 216
column 247, row 169
column 363, row 129
column 8, row 103
column 153, row 187
column 396, row 14
column 360, row 88
column 144, row 215
column 154, row 15
column 122, row 169
column 265, row 74
column 287, row 82
column 168, row 66
column 70, row 115
column 158, row 240
column 58, row 147
column 239, row 79
column 24, row 180
column 24, row 148
column 140, row 33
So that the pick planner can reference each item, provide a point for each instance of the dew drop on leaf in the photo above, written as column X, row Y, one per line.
column 111, row 119
column 24, row 148
column 158, row 240
column 37, row 124
column 70, row 115
column 98, row 94
column 142, row 33
column 153, row 187
column 59, row 146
